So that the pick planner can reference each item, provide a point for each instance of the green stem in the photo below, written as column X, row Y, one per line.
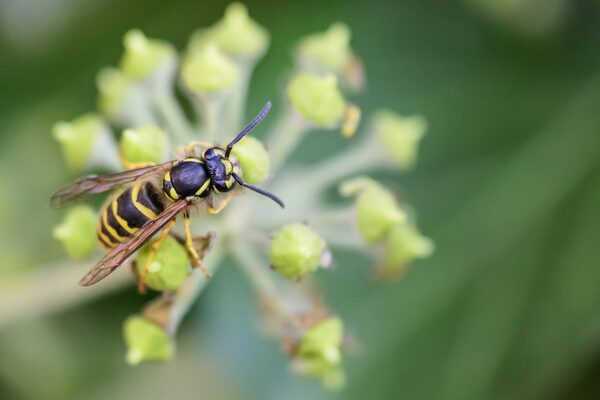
column 173, row 116
column 192, row 288
column 208, row 108
column 284, row 137
column 256, row 271
column 51, row 288
column 235, row 105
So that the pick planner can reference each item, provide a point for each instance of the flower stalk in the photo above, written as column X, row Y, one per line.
column 214, row 74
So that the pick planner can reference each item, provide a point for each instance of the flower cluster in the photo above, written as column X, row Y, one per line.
column 140, row 121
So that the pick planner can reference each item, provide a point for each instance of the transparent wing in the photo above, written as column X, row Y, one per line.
column 123, row 251
column 98, row 184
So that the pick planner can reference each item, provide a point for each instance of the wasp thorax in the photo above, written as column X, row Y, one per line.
column 187, row 178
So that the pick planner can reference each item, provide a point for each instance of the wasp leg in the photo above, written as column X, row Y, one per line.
column 189, row 245
column 150, row 259
column 220, row 207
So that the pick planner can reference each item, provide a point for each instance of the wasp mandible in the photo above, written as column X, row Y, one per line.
column 143, row 209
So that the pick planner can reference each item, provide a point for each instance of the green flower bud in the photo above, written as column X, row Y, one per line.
column 146, row 341
column 169, row 268
column 236, row 33
column 404, row 245
column 319, row 353
column 317, row 99
column 77, row 232
column 147, row 144
column 377, row 211
column 113, row 88
column 143, row 57
column 329, row 50
column 85, row 142
column 296, row 251
column 208, row 70
column 400, row 136
column 253, row 159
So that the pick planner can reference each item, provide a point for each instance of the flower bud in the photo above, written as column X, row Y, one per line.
column 113, row 88
column 169, row 268
column 319, row 353
column 253, row 159
column 404, row 245
column 377, row 211
column 400, row 136
column 208, row 70
column 147, row 144
column 143, row 57
column 317, row 99
column 85, row 142
column 329, row 50
column 296, row 251
column 146, row 341
column 77, row 232
column 236, row 33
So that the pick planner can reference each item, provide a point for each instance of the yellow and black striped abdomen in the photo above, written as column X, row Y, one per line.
column 127, row 213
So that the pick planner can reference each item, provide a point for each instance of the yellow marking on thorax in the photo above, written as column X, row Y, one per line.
column 193, row 159
column 120, row 220
column 141, row 208
column 203, row 187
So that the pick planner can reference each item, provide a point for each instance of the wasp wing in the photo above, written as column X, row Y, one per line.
column 98, row 184
column 123, row 251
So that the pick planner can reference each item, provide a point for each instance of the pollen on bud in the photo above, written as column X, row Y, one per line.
column 236, row 33
column 79, row 138
column 146, row 341
column 329, row 50
column 319, row 353
column 317, row 99
column 208, row 70
column 400, row 136
column 377, row 210
column 169, row 268
column 253, row 159
column 77, row 232
column 146, row 144
column 296, row 251
column 143, row 57
column 404, row 245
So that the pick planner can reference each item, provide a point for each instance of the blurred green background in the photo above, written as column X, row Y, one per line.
column 508, row 186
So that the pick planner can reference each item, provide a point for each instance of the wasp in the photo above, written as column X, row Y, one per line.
column 145, row 207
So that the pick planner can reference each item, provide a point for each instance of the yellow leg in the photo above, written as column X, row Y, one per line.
column 151, row 254
column 221, row 206
column 189, row 245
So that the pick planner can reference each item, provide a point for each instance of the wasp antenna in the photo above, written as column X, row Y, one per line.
column 258, row 190
column 261, row 115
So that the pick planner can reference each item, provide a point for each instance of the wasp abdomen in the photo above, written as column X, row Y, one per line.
column 127, row 213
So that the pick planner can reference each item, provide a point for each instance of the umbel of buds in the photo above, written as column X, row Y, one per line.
column 141, row 122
